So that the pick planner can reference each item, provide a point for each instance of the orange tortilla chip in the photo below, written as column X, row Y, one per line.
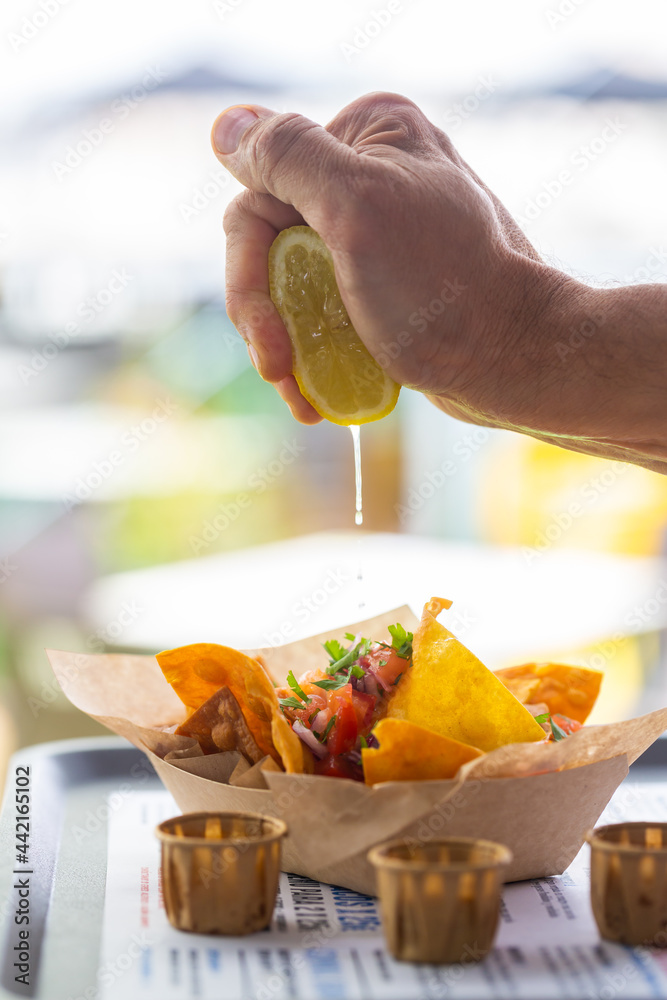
column 570, row 691
column 412, row 753
column 523, row 688
column 449, row 691
column 198, row 671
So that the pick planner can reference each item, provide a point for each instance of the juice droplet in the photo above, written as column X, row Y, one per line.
column 356, row 439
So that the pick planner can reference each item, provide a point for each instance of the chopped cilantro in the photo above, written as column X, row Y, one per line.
column 333, row 683
column 345, row 661
column 334, row 649
column 294, row 684
column 558, row 733
column 349, row 658
column 337, row 680
column 398, row 678
column 363, row 743
column 290, row 703
column 401, row 641
column 326, row 732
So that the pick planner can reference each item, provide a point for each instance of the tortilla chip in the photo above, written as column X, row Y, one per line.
column 412, row 753
column 523, row 688
column 219, row 725
column 449, row 691
column 198, row 671
column 570, row 691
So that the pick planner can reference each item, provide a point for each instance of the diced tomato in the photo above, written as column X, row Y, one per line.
column 568, row 726
column 364, row 706
column 317, row 696
column 343, row 734
column 387, row 664
column 318, row 702
column 311, row 676
column 300, row 713
column 343, row 693
column 337, row 767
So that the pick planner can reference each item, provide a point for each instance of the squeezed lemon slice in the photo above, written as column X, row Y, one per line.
column 333, row 369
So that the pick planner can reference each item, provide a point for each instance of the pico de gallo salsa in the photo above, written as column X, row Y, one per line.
column 334, row 710
column 557, row 727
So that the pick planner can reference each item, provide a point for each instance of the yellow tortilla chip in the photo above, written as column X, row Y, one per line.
column 412, row 753
column 197, row 671
column 570, row 691
column 449, row 691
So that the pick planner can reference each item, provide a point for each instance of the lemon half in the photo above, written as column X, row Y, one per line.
column 333, row 369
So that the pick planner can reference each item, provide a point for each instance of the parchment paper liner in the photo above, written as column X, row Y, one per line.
column 541, row 817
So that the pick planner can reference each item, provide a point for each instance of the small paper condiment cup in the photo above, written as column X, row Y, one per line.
column 440, row 900
column 629, row 882
column 220, row 871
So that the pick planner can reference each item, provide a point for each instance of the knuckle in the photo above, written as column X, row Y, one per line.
column 393, row 112
column 380, row 120
column 243, row 208
column 248, row 309
column 276, row 138
column 387, row 102
column 233, row 305
column 234, row 214
column 447, row 147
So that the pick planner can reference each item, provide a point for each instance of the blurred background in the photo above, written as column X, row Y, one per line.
column 132, row 426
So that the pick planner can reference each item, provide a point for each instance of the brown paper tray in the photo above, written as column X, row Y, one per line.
column 538, row 799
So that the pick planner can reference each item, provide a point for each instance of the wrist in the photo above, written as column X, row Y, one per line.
column 524, row 319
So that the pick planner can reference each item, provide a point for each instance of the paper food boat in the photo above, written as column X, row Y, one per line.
column 539, row 798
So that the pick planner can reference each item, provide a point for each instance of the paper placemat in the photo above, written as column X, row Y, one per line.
column 327, row 942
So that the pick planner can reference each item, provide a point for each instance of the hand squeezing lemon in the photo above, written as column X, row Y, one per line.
column 334, row 370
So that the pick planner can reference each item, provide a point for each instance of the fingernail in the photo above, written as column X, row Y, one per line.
column 229, row 128
column 254, row 356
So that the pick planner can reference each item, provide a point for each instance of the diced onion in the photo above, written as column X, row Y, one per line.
column 371, row 685
column 319, row 723
column 354, row 642
column 309, row 738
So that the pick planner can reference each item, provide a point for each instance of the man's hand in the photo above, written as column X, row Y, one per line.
column 440, row 283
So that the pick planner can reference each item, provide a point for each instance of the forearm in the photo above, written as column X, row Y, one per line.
column 584, row 367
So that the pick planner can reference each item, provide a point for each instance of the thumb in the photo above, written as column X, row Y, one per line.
column 285, row 155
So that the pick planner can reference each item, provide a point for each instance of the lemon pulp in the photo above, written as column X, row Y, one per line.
column 334, row 370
